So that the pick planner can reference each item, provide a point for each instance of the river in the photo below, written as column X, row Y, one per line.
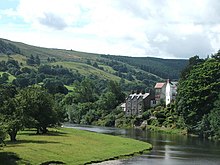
column 167, row 149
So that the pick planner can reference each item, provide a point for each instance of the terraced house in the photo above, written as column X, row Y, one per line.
column 136, row 104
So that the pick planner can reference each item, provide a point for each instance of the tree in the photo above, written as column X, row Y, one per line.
column 54, row 86
column 95, row 65
column 214, row 118
column 2, row 130
column 85, row 91
column 39, row 108
column 4, row 78
column 115, row 88
column 108, row 101
column 11, row 114
column 37, row 60
column 79, row 111
column 88, row 62
column 193, row 61
column 21, row 81
column 197, row 93
column 31, row 60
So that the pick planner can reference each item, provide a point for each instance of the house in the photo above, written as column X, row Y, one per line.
column 136, row 104
column 164, row 92
column 160, row 89
column 171, row 91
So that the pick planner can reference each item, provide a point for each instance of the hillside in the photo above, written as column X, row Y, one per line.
column 137, row 73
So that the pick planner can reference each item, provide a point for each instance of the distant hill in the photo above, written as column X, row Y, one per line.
column 164, row 68
column 135, row 72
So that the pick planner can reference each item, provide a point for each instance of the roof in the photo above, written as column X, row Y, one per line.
column 159, row 85
column 174, row 83
column 145, row 95
column 139, row 95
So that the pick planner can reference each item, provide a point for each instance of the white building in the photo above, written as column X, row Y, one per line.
column 164, row 92
column 171, row 91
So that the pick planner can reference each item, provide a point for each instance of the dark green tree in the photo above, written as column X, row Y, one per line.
column 193, row 61
column 2, row 130
column 11, row 114
column 95, row 65
column 30, row 60
column 54, row 86
column 39, row 108
column 115, row 88
column 214, row 119
column 37, row 60
column 197, row 93
column 108, row 101
column 85, row 91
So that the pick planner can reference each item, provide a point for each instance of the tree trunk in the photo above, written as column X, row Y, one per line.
column 44, row 130
column 38, row 131
column 13, row 134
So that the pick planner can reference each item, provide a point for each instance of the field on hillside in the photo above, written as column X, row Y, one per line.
column 87, row 70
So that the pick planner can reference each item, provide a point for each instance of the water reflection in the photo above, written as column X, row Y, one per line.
column 167, row 149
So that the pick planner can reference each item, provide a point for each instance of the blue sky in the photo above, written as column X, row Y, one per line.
column 161, row 28
column 6, row 4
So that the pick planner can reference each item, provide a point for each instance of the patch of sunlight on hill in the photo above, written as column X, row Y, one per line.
column 70, row 88
column 108, row 68
column 10, row 78
column 86, row 70
column 17, row 57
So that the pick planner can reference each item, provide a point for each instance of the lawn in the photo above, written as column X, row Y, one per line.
column 69, row 146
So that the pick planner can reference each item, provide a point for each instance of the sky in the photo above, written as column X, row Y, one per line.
column 138, row 28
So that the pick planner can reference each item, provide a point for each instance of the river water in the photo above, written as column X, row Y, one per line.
column 167, row 149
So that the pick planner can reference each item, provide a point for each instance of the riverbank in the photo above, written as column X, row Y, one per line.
column 68, row 146
column 167, row 130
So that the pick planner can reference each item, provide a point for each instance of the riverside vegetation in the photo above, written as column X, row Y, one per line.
column 41, row 88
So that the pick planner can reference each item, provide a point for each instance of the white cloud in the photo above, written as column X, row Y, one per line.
column 9, row 12
column 165, row 28
column 161, row 38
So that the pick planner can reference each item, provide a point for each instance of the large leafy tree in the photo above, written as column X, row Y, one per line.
column 11, row 115
column 84, row 91
column 39, row 108
column 115, row 88
column 197, row 91
column 112, row 97
column 54, row 86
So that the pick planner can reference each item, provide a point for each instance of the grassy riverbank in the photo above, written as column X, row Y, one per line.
column 167, row 130
column 69, row 146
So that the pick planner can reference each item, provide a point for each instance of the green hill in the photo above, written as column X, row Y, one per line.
column 135, row 72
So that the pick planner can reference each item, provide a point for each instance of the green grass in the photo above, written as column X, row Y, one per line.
column 69, row 146
column 108, row 68
column 17, row 57
column 44, row 53
column 70, row 88
column 85, row 69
